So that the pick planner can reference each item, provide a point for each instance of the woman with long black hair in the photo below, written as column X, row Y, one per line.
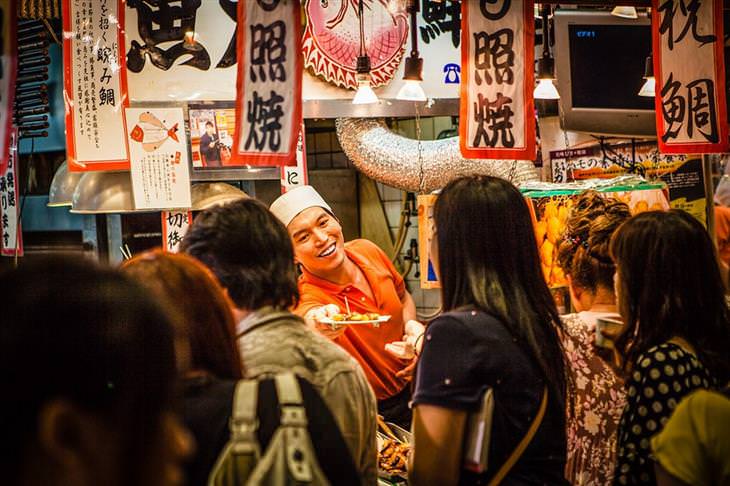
column 500, row 330
column 676, row 335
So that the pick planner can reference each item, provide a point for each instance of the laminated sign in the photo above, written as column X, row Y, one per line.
column 269, row 85
column 174, row 226
column 497, row 57
column 11, row 237
column 8, row 61
column 691, row 114
column 95, row 84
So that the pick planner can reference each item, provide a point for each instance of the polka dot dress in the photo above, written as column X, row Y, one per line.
column 662, row 376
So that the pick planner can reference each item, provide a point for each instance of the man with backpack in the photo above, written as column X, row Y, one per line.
column 250, row 252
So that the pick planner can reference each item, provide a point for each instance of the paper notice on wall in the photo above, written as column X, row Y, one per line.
column 174, row 226
column 11, row 242
column 292, row 177
column 158, row 154
column 94, row 79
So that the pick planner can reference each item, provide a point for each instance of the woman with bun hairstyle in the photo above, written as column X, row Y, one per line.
column 596, row 396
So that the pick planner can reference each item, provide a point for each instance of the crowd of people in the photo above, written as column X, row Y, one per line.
column 137, row 375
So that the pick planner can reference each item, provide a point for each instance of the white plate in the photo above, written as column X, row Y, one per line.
column 376, row 322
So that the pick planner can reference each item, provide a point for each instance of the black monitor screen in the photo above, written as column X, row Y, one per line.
column 607, row 66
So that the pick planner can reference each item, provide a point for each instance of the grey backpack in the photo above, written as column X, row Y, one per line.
column 289, row 458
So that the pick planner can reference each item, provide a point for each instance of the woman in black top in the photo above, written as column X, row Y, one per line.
column 499, row 331
column 211, row 364
column 676, row 336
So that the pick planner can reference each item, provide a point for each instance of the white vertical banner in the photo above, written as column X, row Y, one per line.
column 689, row 67
column 11, row 242
column 174, row 226
column 95, row 84
column 292, row 177
column 8, row 70
column 269, row 85
column 497, row 58
column 159, row 158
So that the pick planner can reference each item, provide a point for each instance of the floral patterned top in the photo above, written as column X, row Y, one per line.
column 598, row 399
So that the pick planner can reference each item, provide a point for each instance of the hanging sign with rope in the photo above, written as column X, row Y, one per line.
column 689, row 66
column 497, row 57
column 269, row 86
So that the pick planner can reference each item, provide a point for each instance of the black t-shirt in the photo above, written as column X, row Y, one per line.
column 207, row 408
column 466, row 352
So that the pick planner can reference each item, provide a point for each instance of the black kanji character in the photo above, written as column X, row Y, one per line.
column 441, row 18
column 701, row 109
column 268, row 47
column 229, row 57
column 673, row 108
column 173, row 239
column 268, row 5
column 495, row 51
column 3, row 185
column 668, row 11
column 494, row 9
column 264, row 116
column 106, row 97
column 103, row 54
column 171, row 20
column 175, row 219
column 495, row 117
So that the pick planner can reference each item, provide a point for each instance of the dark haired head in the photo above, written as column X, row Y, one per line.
column 250, row 252
column 203, row 313
column 583, row 250
column 75, row 333
column 209, row 124
column 488, row 259
column 668, row 285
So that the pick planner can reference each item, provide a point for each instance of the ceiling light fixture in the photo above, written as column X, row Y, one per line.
column 365, row 94
column 649, row 86
column 412, row 90
column 625, row 12
column 545, row 89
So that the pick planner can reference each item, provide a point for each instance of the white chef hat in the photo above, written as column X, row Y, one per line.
column 290, row 204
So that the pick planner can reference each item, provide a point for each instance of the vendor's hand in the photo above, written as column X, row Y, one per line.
column 414, row 331
column 407, row 372
column 401, row 349
column 314, row 317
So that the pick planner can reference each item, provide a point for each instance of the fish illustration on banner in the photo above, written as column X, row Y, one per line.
column 152, row 133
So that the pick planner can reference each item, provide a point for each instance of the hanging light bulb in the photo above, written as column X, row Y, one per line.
column 625, row 12
column 649, row 86
column 412, row 90
column 365, row 94
column 545, row 89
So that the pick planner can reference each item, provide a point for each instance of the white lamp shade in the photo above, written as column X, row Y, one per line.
column 546, row 90
column 63, row 186
column 102, row 193
column 625, row 12
column 648, row 88
column 365, row 94
column 411, row 91
column 207, row 195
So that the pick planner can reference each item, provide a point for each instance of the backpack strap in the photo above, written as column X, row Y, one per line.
column 299, row 453
column 244, row 421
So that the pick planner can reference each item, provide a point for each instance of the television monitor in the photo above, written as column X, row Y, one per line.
column 599, row 64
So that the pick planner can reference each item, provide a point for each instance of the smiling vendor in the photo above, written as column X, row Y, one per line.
column 360, row 272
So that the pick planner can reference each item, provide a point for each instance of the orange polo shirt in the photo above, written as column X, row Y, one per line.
column 365, row 342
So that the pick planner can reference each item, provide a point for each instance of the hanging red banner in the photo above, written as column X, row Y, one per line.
column 8, row 70
column 95, row 85
column 497, row 64
column 269, row 83
column 689, row 67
